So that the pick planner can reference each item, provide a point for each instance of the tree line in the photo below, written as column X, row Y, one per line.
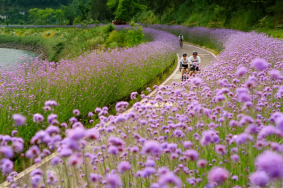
column 76, row 11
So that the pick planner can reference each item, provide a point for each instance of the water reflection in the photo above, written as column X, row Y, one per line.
column 12, row 56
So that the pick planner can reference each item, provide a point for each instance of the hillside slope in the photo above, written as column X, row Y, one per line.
column 241, row 15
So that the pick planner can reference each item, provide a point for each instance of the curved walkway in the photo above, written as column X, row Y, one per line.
column 206, row 58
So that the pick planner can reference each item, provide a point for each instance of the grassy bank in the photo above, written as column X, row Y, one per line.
column 72, row 42
column 59, row 43
column 276, row 33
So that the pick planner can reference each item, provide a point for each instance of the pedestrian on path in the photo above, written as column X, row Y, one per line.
column 194, row 63
column 185, row 65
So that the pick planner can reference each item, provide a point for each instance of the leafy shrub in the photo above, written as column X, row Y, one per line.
column 77, row 20
column 117, row 38
column 125, row 37
column 134, row 36
column 266, row 22
column 96, row 22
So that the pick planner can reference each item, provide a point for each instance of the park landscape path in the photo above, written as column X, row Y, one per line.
column 206, row 58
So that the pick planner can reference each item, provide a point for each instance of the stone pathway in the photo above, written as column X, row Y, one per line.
column 206, row 58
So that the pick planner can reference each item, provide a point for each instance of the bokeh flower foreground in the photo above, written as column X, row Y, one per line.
column 85, row 82
column 220, row 129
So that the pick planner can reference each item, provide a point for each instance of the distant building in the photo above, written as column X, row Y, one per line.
column 22, row 13
column 4, row 16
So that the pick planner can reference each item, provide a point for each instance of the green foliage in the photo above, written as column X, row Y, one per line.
column 134, row 36
column 145, row 17
column 266, row 22
column 214, row 25
column 125, row 38
column 96, row 22
column 125, row 9
column 84, row 23
column 161, row 7
column 33, row 3
column 59, row 42
column 116, row 39
column 57, row 48
column 58, row 15
column 244, row 15
column 219, row 11
column 276, row 33
column 244, row 20
column 84, row 9
column 77, row 20
column 108, row 28
column 39, row 15
column 69, row 13
column 7, row 22
column 99, row 10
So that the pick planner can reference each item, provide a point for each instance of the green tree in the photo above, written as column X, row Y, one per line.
column 69, row 13
column 7, row 22
column 39, row 15
column 33, row 15
column 84, row 8
column 58, row 15
column 159, row 7
column 100, row 11
column 125, row 9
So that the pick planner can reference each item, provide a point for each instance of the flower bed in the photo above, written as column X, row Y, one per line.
column 84, row 82
column 224, row 129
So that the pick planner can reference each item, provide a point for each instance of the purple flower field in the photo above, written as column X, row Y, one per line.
column 86, row 82
column 211, row 38
column 223, row 128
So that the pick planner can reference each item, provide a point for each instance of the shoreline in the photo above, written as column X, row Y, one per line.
column 37, row 49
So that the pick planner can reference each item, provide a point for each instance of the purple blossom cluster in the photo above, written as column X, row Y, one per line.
column 220, row 129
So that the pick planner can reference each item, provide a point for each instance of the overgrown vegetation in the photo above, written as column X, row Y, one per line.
column 73, row 42
column 263, row 16
column 127, row 37
column 59, row 42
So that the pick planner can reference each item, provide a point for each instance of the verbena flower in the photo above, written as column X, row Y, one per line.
column 19, row 119
column 218, row 175
column 271, row 163
column 170, row 178
column 124, row 166
column 259, row 178
column 259, row 64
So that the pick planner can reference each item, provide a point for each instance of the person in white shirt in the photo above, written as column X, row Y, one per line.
column 195, row 62
column 184, row 65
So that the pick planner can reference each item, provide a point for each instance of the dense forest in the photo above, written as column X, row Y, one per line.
column 240, row 14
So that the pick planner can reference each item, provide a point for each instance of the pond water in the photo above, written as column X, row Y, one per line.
column 13, row 56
